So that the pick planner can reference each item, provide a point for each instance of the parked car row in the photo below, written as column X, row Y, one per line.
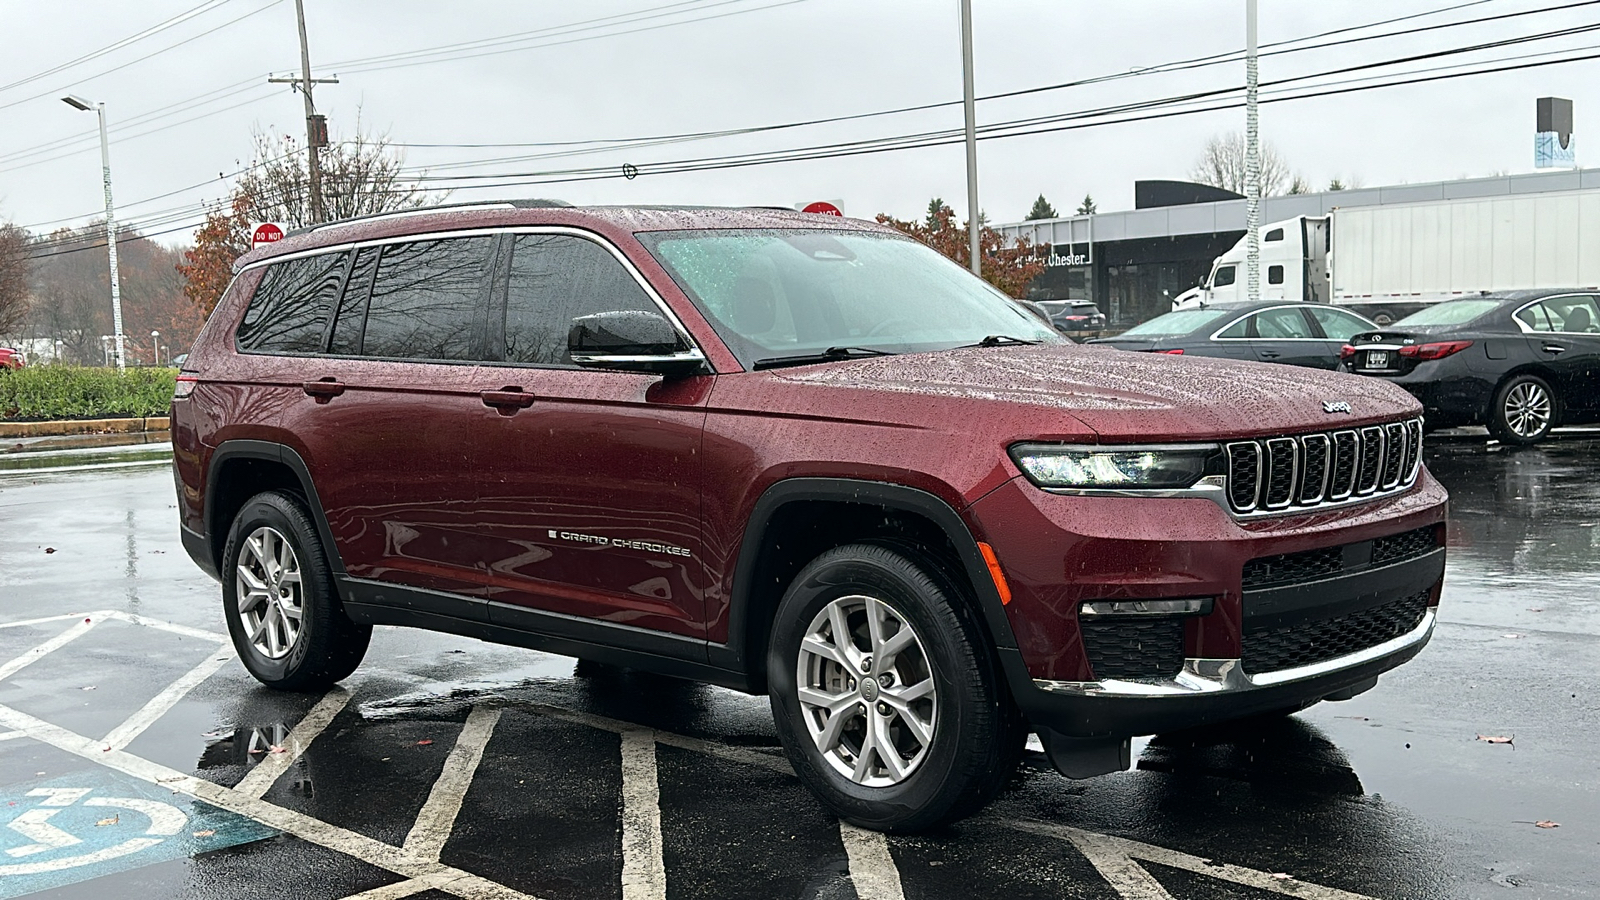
column 1520, row 363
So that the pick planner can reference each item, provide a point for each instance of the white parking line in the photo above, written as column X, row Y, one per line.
column 437, row 819
column 1116, row 855
column 160, row 704
column 173, row 627
column 269, row 770
column 12, row 735
column 644, row 870
column 45, row 649
column 872, row 869
column 371, row 851
column 23, row 623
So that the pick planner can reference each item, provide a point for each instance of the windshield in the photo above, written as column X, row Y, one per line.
column 794, row 292
column 1174, row 323
column 1450, row 312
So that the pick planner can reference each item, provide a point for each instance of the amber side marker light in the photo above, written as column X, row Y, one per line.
column 995, row 573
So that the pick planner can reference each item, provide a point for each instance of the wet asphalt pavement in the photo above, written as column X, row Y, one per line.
column 138, row 759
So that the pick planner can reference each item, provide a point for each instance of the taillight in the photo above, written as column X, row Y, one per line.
column 1075, row 318
column 1436, row 350
column 185, row 385
column 1346, row 351
column 1176, row 352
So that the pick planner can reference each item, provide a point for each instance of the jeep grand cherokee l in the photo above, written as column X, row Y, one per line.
column 794, row 455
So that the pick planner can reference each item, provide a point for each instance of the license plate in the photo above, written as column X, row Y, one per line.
column 1377, row 359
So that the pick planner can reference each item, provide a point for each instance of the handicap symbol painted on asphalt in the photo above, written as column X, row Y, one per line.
column 95, row 823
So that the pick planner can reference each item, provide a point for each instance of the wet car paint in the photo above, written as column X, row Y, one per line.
column 1388, row 795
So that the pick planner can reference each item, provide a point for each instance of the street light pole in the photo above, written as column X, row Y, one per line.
column 1252, row 161
column 111, row 223
column 969, row 106
column 155, row 346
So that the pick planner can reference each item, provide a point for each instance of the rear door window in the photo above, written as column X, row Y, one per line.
column 556, row 278
column 1577, row 314
column 1284, row 323
column 1337, row 324
column 429, row 300
column 289, row 311
column 347, row 325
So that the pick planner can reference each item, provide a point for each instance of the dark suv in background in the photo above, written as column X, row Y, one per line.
column 795, row 455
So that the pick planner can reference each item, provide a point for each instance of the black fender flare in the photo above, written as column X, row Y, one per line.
column 737, row 655
column 270, row 451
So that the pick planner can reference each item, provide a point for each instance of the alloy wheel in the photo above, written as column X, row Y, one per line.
column 1527, row 409
column 270, row 593
column 866, row 691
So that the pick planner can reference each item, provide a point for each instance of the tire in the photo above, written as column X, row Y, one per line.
column 325, row 646
column 953, row 747
column 1525, row 409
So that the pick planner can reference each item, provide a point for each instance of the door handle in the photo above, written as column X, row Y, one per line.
column 323, row 390
column 507, row 400
column 1553, row 348
column 1269, row 354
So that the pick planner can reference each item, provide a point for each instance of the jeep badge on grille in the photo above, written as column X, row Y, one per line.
column 1335, row 406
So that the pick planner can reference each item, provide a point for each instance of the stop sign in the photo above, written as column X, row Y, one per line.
column 266, row 233
column 823, row 207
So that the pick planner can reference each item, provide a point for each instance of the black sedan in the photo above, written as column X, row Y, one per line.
column 1520, row 362
column 1301, row 334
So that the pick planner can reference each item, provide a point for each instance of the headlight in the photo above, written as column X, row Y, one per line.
column 1060, row 466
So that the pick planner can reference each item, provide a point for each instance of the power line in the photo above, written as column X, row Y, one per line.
column 110, row 48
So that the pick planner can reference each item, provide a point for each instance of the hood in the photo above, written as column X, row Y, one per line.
column 1126, row 397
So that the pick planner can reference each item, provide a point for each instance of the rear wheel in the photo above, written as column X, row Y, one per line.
column 283, row 613
column 886, row 697
column 1524, row 411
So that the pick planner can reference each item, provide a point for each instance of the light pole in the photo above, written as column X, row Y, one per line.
column 1252, row 161
column 155, row 346
column 111, row 222
column 974, row 229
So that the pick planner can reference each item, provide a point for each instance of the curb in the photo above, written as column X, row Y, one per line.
column 83, row 426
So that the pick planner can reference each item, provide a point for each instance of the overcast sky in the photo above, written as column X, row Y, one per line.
column 185, row 115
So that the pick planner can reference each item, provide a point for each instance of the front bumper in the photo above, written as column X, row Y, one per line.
column 1263, row 647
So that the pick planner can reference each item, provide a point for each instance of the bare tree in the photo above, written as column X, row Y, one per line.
column 13, row 279
column 360, row 176
column 1221, row 165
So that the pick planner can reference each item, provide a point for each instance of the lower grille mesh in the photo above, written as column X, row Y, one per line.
column 1133, row 648
column 1305, row 643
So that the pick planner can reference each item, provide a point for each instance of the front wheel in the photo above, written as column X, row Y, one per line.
column 887, row 699
column 1524, row 410
column 283, row 612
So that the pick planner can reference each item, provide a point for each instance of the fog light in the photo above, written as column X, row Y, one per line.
column 1191, row 606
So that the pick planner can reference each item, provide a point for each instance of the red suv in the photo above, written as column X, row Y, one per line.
column 11, row 359
column 795, row 455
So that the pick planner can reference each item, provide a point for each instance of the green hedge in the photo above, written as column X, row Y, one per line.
column 72, row 392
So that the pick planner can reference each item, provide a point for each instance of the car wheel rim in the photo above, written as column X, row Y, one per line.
column 866, row 691
column 271, row 595
column 1527, row 409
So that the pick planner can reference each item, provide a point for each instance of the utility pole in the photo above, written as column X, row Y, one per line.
column 79, row 103
column 1252, row 160
column 316, row 126
column 974, row 228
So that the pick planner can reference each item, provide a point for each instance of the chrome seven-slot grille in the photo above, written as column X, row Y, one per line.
column 1306, row 471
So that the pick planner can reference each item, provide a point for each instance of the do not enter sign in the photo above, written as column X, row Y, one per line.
column 266, row 233
column 823, row 207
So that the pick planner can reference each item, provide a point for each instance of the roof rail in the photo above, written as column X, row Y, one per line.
column 532, row 203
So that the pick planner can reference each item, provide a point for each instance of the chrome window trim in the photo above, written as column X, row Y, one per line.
column 1523, row 326
column 1217, row 335
column 1216, row 676
column 490, row 231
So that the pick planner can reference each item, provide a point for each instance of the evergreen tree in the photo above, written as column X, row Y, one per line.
column 1041, row 210
column 1087, row 207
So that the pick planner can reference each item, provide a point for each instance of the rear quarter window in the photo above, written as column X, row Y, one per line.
column 290, row 306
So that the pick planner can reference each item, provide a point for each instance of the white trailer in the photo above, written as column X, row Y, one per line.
column 1388, row 261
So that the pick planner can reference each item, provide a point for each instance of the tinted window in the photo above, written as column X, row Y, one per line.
column 1183, row 321
column 1239, row 329
column 1224, row 277
column 1282, row 324
column 1450, row 312
column 1275, row 234
column 556, row 278
column 353, row 304
column 1537, row 318
column 426, row 299
column 1576, row 314
column 1337, row 324
column 1274, row 274
column 290, row 306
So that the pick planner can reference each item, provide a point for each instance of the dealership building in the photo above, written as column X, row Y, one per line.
column 1132, row 263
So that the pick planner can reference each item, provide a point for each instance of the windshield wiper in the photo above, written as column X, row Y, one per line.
column 997, row 340
column 831, row 354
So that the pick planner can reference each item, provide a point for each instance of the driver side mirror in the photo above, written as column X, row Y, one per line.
column 632, row 341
